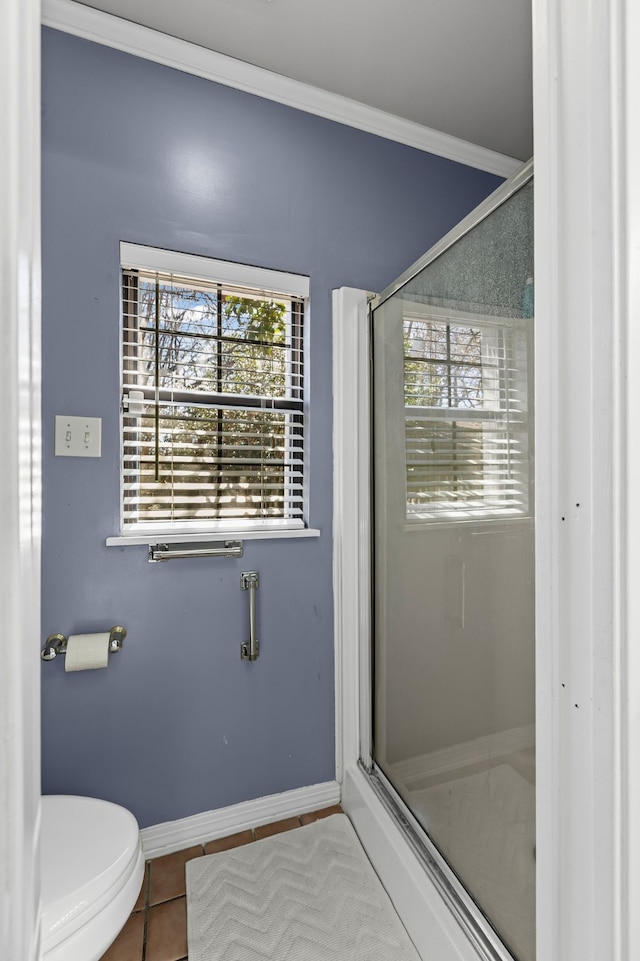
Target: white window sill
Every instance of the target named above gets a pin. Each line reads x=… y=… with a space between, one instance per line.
x=490 y=521
x=135 y=540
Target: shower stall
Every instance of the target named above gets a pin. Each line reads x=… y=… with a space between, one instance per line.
x=446 y=735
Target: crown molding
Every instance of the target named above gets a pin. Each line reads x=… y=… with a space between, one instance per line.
x=99 y=27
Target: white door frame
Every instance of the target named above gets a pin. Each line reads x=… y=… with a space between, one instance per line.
x=587 y=188
x=588 y=614
x=628 y=133
x=20 y=479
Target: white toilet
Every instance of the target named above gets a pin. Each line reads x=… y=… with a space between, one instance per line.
x=92 y=870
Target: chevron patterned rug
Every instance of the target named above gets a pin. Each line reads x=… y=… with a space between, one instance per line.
x=306 y=895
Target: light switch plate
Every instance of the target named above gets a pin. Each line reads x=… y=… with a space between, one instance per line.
x=78 y=436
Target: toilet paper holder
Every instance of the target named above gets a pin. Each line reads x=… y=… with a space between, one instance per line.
x=57 y=643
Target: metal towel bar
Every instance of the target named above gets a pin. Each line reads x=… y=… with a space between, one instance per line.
x=249 y=650
x=167 y=552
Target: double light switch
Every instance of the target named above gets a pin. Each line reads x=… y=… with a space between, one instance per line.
x=78 y=436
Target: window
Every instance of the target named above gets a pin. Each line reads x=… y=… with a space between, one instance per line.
x=213 y=394
x=467 y=418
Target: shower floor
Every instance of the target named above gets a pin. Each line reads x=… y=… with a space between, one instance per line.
x=482 y=819
x=157 y=928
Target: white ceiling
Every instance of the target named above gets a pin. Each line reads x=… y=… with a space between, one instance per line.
x=462 y=67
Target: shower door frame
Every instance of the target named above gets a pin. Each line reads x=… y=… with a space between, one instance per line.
x=587 y=221
x=353 y=340
x=478 y=926
x=431 y=919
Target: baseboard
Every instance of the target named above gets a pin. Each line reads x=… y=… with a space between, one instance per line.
x=429 y=922
x=174 y=835
x=461 y=755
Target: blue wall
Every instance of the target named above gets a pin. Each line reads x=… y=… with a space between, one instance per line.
x=139 y=152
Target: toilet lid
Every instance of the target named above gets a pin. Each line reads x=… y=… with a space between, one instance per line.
x=87 y=849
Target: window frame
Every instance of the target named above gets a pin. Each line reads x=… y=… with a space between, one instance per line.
x=295 y=286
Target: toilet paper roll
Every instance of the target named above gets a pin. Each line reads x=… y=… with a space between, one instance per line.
x=86 y=652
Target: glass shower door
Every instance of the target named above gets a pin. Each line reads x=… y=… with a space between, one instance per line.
x=453 y=657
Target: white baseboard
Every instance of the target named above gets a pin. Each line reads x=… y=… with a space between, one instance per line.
x=172 y=836
x=461 y=755
x=429 y=922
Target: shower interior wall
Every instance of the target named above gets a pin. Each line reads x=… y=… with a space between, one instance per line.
x=136 y=151
x=470 y=620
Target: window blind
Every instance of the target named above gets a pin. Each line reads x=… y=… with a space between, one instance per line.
x=212 y=410
x=466 y=418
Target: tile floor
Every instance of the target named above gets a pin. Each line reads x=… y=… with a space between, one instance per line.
x=157 y=928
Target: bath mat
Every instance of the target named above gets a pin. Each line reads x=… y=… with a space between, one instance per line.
x=309 y=894
x=484 y=824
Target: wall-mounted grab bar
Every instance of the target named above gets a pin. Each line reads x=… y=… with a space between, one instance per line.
x=57 y=643
x=249 y=650
x=167 y=552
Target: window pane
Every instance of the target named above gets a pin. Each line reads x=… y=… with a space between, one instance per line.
x=255 y=319
x=252 y=369
x=212 y=463
x=208 y=341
